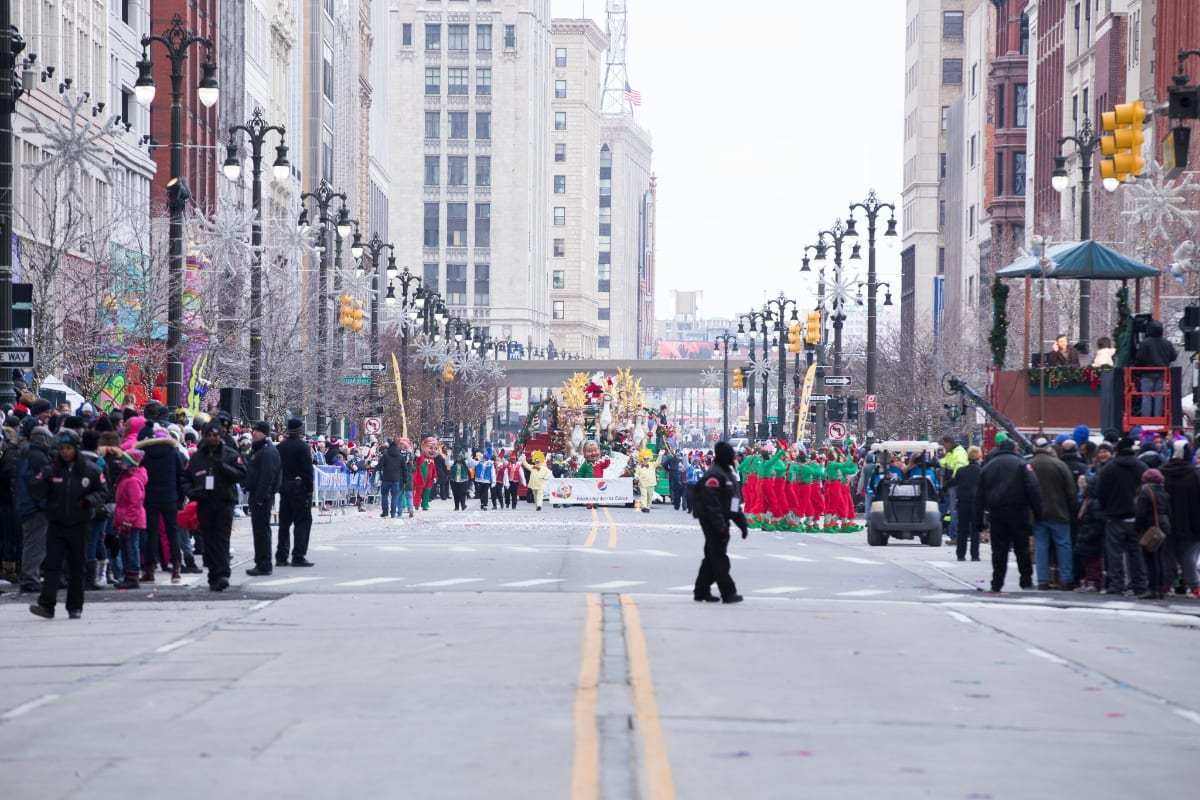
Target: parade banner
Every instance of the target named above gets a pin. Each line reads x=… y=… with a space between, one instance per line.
x=603 y=491
x=806 y=393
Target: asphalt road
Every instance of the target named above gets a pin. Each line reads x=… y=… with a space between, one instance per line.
x=514 y=654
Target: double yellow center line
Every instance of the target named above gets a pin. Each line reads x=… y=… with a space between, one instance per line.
x=612 y=530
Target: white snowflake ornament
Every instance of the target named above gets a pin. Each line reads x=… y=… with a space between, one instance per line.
x=433 y=355
x=760 y=368
x=1160 y=203
x=712 y=378
x=225 y=238
x=73 y=146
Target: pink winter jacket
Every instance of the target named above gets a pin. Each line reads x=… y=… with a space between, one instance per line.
x=131 y=493
x=131 y=434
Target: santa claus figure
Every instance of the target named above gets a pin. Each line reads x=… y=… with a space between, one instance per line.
x=425 y=473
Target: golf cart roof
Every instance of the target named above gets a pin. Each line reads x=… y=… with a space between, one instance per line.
x=903 y=446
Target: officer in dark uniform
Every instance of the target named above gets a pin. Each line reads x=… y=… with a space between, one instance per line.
x=718 y=501
x=295 y=496
x=213 y=474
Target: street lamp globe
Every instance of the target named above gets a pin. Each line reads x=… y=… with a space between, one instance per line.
x=232 y=166
x=343 y=223
x=281 y=169
x=1059 y=179
x=1111 y=184
x=143 y=89
x=390 y=298
x=891 y=239
x=356 y=247
x=208 y=91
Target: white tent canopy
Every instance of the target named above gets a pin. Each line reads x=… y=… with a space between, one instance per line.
x=54 y=384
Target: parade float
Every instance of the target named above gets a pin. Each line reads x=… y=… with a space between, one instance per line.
x=595 y=426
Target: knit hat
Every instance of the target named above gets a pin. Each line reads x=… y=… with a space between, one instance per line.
x=262 y=426
x=295 y=424
x=1125 y=445
x=1152 y=476
x=1181 y=448
x=1081 y=434
x=1001 y=437
x=39 y=406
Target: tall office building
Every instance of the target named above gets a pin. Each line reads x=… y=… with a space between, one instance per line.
x=470 y=157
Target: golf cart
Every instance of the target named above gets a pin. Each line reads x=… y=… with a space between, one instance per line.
x=904 y=508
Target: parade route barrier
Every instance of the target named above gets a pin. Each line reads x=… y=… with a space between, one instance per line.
x=335 y=489
x=599 y=491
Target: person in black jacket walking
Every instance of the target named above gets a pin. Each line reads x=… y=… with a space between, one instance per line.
x=1009 y=493
x=262 y=482
x=213 y=474
x=718 y=502
x=165 y=464
x=72 y=489
x=1116 y=487
x=1183 y=491
x=395 y=470
x=966 y=483
x=295 y=496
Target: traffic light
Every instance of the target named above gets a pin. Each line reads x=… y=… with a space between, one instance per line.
x=812 y=328
x=448 y=373
x=794 y=345
x=1122 y=148
x=739 y=378
x=835 y=409
x=1190 y=325
x=346 y=311
x=852 y=409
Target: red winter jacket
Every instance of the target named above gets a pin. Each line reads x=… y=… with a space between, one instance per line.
x=131 y=495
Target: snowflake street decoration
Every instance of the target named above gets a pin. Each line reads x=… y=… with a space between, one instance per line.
x=290 y=240
x=1184 y=260
x=76 y=145
x=838 y=291
x=225 y=239
x=1159 y=203
x=433 y=355
x=711 y=378
x=760 y=368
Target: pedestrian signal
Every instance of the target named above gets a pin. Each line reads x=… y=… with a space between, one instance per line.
x=1122 y=147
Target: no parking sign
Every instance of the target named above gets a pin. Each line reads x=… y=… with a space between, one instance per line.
x=837 y=430
x=372 y=426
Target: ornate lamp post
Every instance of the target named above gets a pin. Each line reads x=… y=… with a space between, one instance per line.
x=375 y=248
x=177 y=40
x=412 y=300
x=729 y=340
x=871 y=208
x=324 y=196
x=755 y=318
x=775 y=309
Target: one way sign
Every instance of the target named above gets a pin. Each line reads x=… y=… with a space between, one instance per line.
x=837 y=380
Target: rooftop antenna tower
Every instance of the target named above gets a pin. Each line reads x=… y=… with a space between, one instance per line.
x=616 y=78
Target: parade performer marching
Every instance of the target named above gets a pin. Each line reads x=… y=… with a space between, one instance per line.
x=647 y=477
x=842 y=470
x=748 y=473
x=593 y=466
x=539 y=473
x=425 y=473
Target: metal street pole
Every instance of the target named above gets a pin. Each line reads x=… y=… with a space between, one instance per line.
x=11 y=45
x=256 y=130
x=177 y=40
x=1086 y=143
x=324 y=196
x=725 y=341
x=871 y=207
x=776 y=309
x=375 y=248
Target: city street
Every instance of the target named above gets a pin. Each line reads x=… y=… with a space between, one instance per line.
x=559 y=654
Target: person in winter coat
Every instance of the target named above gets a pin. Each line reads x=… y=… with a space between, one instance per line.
x=442 y=460
x=1182 y=483
x=1008 y=492
x=213 y=474
x=718 y=502
x=165 y=465
x=1089 y=544
x=33 y=456
x=511 y=478
x=966 y=483
x=1151 y=509
x=129 y=514
x=395 y=469
x=460 y=480
x=10 y=525
x=1153 y=351
x=263 y=473
x=485 y=479
x=72 y=489
x=1059 y=491
x=295 y=496
x=1116 y=489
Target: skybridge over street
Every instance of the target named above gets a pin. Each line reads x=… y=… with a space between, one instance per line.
x=654 y=374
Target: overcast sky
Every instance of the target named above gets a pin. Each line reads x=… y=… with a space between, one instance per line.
x=768 y=120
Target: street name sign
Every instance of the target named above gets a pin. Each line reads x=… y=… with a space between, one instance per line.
x=819 y=398
x=837 y=380
x=16 y=357
x=356 y=380
x=373 y=367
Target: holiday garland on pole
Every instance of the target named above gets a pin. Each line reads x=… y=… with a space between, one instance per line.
x=998 y=339
x=1124 y=328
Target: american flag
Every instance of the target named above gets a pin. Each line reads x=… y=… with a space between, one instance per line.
x=632 y=95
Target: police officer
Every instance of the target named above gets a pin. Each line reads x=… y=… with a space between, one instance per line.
x=718 y=501
x=72 y=489
x=295 y=496
x=262 y=482
x=213 y=473
x=1009 y=493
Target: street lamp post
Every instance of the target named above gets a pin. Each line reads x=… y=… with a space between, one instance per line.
x=256 y=131
x=375 y=248
x=411 y=305
x=838 y=236
x=754 y=318
x=324 y=196
x=871 y=208
x=11 y=45
x=775 y=309
x=457 y=330
x=177 y=40
x=1086 y=144
x=819 y=247
x=729 y=340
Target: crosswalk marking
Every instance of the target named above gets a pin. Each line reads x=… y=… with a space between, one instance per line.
x=393 y=548
x=737 y=557
x=781 y=590
x=370 y=581
x=854 y=560
x=593 y=551
x=520 y=548
x=940 y=596
x=534 y=582
x=287 y=581
x=786 y=557
x=449 y=582
x=324 y=548
x=615 y=584
x=942 y=563
x=461 y=549
x=863 y=593
x=659 y=553
x=685 y=588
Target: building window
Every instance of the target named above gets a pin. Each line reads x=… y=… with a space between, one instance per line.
x=456 y=80
x=430 y=280
x=431 y=224
x=952 y=26
x=483 y=224
x=1023 y=46
x=1021 y=105
x=510 y=37
x=1019 y=174
x=560 y=151
x=433 y=80
x=560 y=120
x=560 y=248
x=483 y=170
x=458 y=171
x=952 y=71
x=560 y=56
x=456 y=284
x=974 y=79
x=941 y=214
x=458 y=124
x=971 y=151
x=560 y=89
x=606 y=229
x=602 y=342
x=483 y=37
x=560 y=184
x=1075 y=111
x=458 y=38
x=941 y=268
x=1000 y=185
x=433 y=170
x=433 y=125
x=971 y=222
x=999 y=120
x=406 y=34
x=945 y=118
x=327 y=73
x=483 y=285
x=941 y=166
x=560 y=309
x=483 y=125
x=456 y=224
x=603 y=314
x=604 y=260
x=559 y=279
x=560 y=215
x=483 y=80
x=433 y=37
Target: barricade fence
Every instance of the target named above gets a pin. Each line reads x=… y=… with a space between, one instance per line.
x=336 y=488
